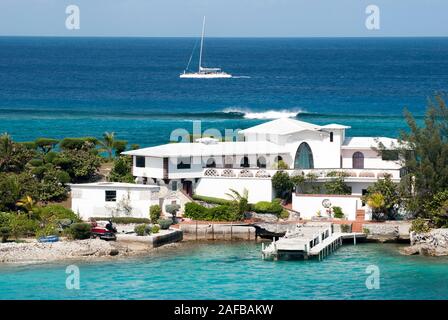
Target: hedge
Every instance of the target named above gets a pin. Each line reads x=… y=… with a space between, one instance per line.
x=211 y=200
x=273 y=207
x=123 y=220
x=220 y=213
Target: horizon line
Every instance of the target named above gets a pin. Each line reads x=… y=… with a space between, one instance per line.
x=226 y=37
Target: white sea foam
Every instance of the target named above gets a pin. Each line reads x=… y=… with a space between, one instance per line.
x=268 y=114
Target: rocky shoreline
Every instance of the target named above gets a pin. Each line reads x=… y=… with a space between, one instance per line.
x=32 y=252
x=433 y=243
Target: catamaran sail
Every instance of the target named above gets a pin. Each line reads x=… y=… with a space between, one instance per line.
x=204 y=73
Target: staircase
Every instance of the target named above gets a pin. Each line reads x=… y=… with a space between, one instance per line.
x=360 y=219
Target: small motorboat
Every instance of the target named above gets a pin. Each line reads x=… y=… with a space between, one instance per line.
x=48 y=239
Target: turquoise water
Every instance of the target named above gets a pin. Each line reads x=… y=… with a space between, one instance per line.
x=236 y=271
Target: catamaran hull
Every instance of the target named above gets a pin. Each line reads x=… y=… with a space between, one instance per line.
x=205 y=76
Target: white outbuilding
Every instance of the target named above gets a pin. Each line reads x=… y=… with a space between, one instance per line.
x=113 y=199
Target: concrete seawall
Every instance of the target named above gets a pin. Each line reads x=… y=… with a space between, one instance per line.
x=216 y=231
x=152 y=241
x=160 y=240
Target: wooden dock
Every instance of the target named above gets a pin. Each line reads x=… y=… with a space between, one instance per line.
x=308 y=242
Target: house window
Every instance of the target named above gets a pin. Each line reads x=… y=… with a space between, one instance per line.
x=140 y=162
x=358 y=160
x=111 y=195
x=245 y=162
x=389 y=155
x=173 y=185
x=331 y=136
x=261 y=162
x=304 y=157
x=184 y=163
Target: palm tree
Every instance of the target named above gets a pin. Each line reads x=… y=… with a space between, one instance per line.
x=377 y=203
x=108 y=143
x=236 y=196
x=241 y=200
x=27 y=203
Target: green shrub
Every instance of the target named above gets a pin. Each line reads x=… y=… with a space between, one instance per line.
x=281 y=165
x=4 y=233
x=420 y=225
x=22 y=225
x=154 y=213
x=76 y=143
x=284 y=214
x=155 y=229
x=55 y=212
x=273 y=207
x=229 y=212
x=172 y=208
x=195 y=211
x=142 y=230
x=337 y=211
x=345 y=228
x=211 y=200
x=123 y=220
x=282 y=184
x=164 y=223
x=80 y=231
x=225 y=213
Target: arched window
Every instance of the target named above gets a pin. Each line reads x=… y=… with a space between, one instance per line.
x=358 y=160
x=304 y=157
x=261 y=162
x=211 y=163
x=245 y=162
x=278 y=159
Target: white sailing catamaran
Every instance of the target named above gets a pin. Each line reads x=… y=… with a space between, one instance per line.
x=204 y=73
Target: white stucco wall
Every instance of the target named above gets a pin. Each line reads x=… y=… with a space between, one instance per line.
x=371 y=160
x=259 y=189
x=308 y=205
x=153 y=168
x=326 y=154
x=90 y=201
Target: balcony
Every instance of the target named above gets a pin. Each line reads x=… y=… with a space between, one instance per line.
x=353 y=175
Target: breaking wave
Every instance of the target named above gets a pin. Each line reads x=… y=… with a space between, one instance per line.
x=269 y=114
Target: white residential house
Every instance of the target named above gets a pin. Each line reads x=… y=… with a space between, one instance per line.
x=113 y=199
x=210 y=168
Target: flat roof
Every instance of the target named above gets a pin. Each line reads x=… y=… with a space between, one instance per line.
x=114 y=185
x=213 y=149
x=369 y=143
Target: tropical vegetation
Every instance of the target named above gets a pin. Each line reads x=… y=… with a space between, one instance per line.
x=35 y=174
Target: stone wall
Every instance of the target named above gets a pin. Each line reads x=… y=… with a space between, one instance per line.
x=216 y=231
x=389 y=231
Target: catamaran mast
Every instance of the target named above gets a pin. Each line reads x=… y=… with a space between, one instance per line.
x=202 y=43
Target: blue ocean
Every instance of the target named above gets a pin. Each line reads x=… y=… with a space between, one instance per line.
x=60 y=87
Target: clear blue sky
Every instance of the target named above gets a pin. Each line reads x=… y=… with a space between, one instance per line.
x=240 y=18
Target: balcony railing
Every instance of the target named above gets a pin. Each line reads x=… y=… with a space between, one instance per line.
x=320 y=174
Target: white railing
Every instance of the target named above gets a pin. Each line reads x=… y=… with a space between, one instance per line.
x=320 y=174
